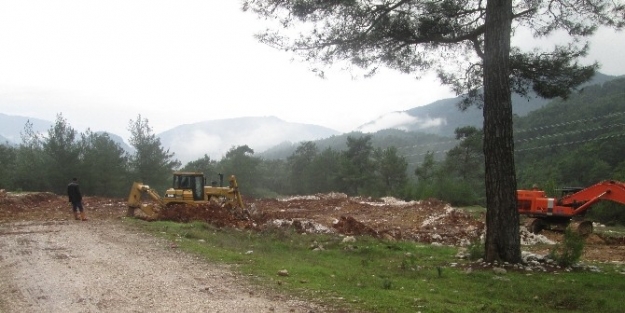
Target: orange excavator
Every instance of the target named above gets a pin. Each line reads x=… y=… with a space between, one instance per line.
x=559 y=213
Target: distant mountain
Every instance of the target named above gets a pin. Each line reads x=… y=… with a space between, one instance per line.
x=190 y=142
x=4 y=140
x=120 y=141
x=11 y=127
x=214 y=138
x=442 y=117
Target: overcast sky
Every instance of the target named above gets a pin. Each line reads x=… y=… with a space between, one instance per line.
x=101 y=63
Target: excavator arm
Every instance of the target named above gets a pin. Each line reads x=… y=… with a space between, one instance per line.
x=234 y=189
x=135 y=200
x=606 y=190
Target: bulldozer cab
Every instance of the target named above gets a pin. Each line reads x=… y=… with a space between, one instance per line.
x=190 y=181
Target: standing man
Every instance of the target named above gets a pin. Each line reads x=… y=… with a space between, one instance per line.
x=75 y=198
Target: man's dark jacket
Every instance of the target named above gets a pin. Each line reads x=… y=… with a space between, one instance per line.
x=73 y=192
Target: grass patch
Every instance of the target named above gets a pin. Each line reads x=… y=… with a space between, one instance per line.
x=611 y=231
x=372 y=275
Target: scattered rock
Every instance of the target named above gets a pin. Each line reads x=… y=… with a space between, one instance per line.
x=529 y=238
x=349 y=239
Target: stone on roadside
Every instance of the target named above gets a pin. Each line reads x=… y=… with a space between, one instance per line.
x=349 y=239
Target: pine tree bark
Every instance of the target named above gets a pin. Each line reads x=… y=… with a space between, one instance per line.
x=502 y=219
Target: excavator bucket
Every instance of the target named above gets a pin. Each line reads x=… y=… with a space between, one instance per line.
x=149 y=210
x=535 y=225
x=583 y=228
x=135 y=201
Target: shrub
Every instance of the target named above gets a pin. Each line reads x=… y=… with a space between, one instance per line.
x=570 y=250
x=476 y=250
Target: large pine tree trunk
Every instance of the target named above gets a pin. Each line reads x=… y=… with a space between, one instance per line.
x=502 y=218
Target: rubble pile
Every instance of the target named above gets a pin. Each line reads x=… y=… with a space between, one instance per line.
x=528 y=238
x=430 y=221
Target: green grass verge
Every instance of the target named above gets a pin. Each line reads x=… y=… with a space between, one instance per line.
x=371 y=275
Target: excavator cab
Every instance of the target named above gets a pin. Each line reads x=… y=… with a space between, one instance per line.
x=187 y=186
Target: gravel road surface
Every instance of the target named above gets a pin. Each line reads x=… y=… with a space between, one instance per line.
x=103 y=266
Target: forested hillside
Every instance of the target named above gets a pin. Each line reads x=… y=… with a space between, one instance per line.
x=446 y=110
x=576 y=142
x=411 y=145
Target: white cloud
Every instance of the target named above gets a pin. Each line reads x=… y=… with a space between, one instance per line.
x=401 y=120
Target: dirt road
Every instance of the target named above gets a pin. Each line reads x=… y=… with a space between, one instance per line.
x=101 y=266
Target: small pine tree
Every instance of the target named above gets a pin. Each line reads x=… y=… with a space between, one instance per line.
x=570 y=250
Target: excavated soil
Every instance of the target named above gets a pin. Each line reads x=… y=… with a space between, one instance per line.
x=108 y=268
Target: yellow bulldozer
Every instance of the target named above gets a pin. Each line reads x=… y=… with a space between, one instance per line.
x=188 y=188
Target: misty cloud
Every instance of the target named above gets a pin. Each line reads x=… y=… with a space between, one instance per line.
x=401 y=120
x=215 y=138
